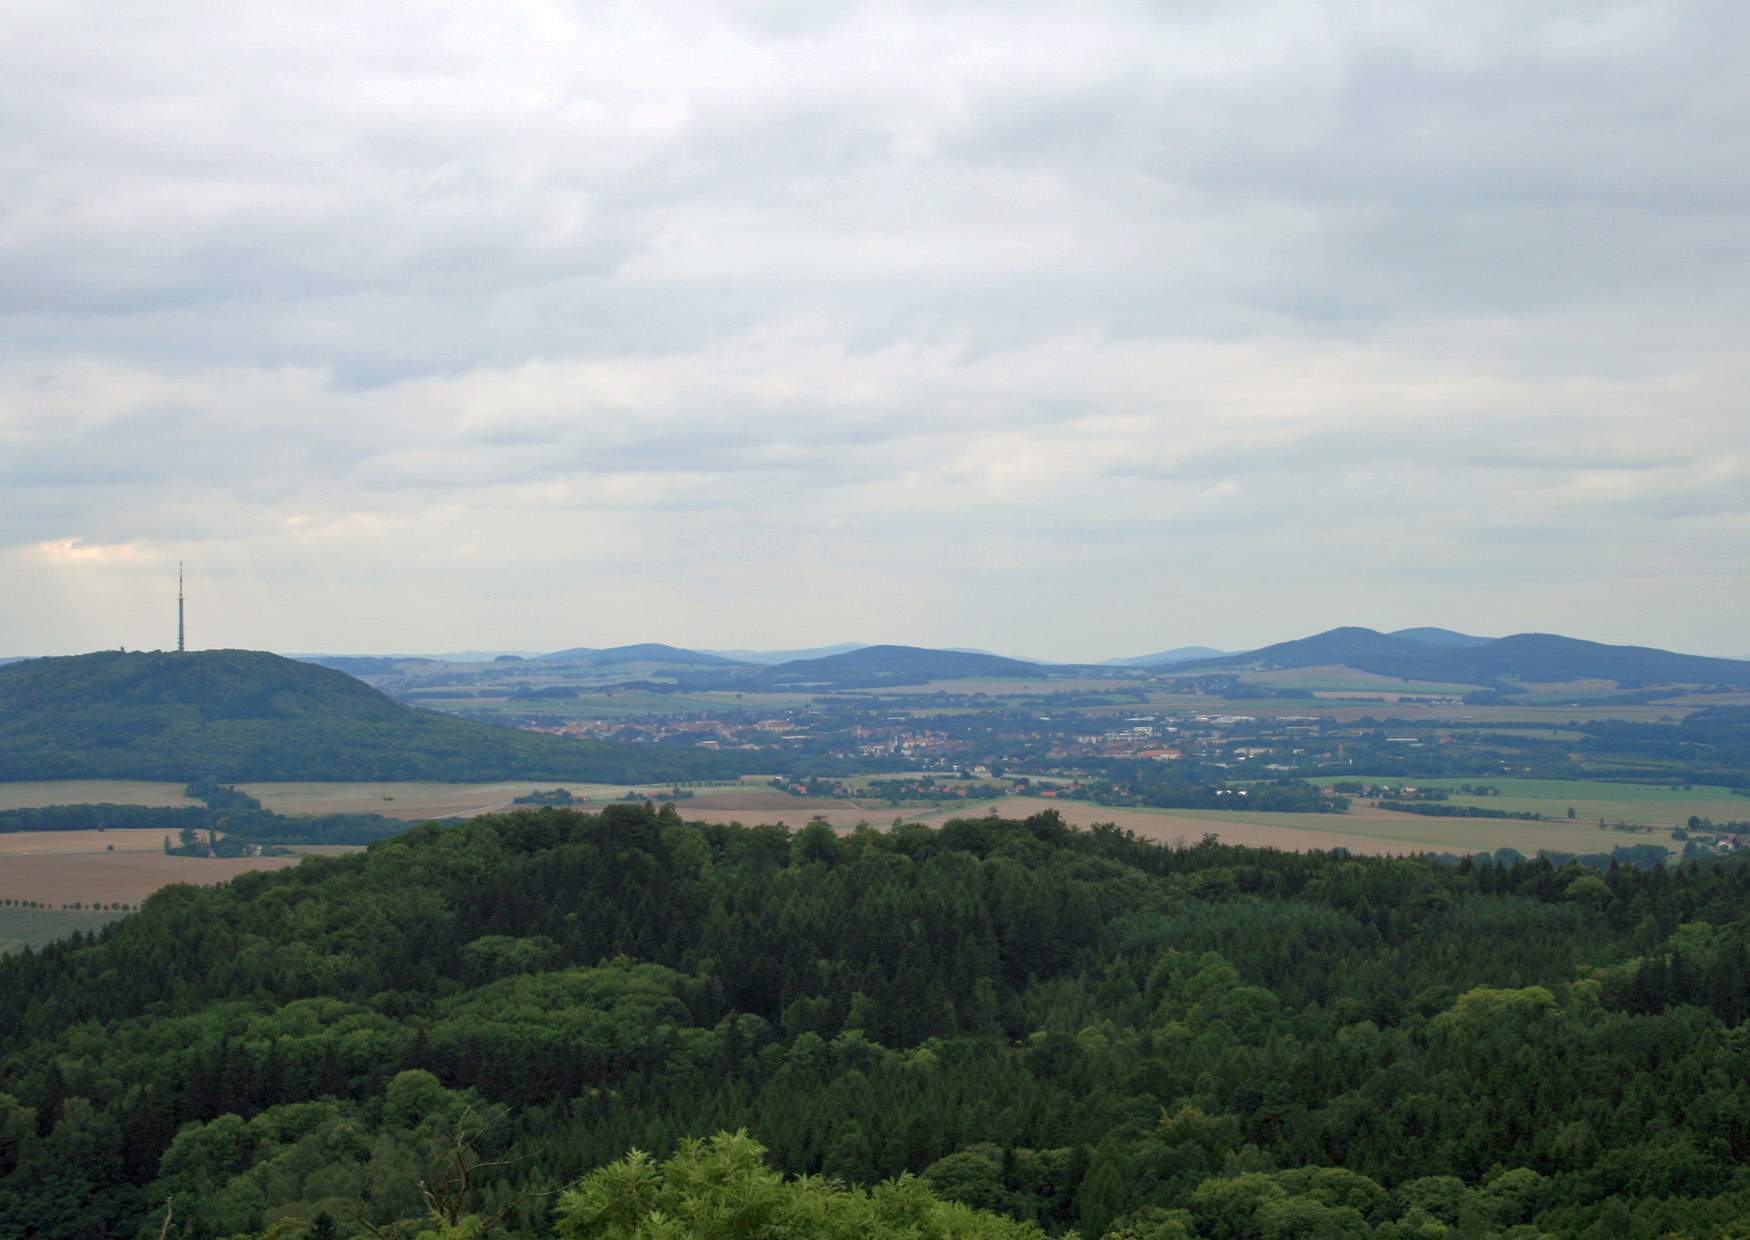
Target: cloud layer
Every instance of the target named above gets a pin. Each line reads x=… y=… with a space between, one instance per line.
x=1069 y=333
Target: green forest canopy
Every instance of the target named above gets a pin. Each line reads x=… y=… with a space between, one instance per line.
x=1061 y=1029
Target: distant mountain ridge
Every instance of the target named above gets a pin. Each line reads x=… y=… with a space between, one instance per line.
x=642 y=652
x=768 y=658
x=1178 y=654
x=1533 y=657
x=246 y=714
x=1440 y=637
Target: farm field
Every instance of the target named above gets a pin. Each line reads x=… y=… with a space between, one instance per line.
x=124 y=877
x=764 y=806
x=38 y=843
x=416 y=801
x=33 y=927
x=32 y=793
x=1337 y=678
x=1006 y=686
x=619 y=703
x=1360 y=831
x=1358 y=707
x=409 y=800
x=1648 y=804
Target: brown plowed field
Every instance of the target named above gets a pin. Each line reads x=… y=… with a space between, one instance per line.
x=109 y=877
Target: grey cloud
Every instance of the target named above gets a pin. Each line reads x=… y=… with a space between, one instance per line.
x=913 y=292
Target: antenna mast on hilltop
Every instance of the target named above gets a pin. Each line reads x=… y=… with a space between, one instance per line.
x=180 y=647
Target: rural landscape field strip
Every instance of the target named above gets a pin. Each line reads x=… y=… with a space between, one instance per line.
x=1644 y=803
x=1374 y=832
x=28 y=794
x=79 y=843
x=33 y=927
x=118 y=877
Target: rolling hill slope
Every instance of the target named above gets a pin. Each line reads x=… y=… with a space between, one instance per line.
x=1179 y=654
x=642 y=652
x=893 y=665
x=243 y=714
x=1440 y=637
x=1532 y=657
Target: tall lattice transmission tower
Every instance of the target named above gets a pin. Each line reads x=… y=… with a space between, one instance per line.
x=180 y=646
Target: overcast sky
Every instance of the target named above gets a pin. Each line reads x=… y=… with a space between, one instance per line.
x=1064 y=330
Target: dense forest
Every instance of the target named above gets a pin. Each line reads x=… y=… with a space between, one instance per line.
x=1048 y=1029
x=243 y=714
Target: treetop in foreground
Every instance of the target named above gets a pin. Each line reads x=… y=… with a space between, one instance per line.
x=1062 y=1030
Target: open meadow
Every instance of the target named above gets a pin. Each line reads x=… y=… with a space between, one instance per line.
x=29 y=794
x=33 y=927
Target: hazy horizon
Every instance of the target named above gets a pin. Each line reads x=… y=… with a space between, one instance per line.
x=480 y=654
x=1078 y=334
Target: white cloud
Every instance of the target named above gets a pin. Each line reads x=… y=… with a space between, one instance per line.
x=1074 y=332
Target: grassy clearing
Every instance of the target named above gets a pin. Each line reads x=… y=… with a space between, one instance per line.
x=33 y=927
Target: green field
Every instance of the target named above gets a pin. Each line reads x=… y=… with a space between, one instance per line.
x=28 y=794
x=32 y=927
x=1348 y=678
x=1657 y=805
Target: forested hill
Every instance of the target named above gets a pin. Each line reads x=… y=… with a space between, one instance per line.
x=244 y=714
x=1063 y=1029
x=1540 y=657
x=894 y=665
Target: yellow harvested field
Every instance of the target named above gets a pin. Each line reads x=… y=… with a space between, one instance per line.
x=30 y=794
x=417 y=801
x=1365 y=830
x=118 y=877
x=44 y=843
x=761 y=807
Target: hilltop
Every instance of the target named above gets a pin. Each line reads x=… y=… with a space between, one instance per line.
x=770 y=657
x=895 y=665
x=1454 y=657
x=245 y=714
x=1440 y=637
x=1179 y=654
x=641 y=652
